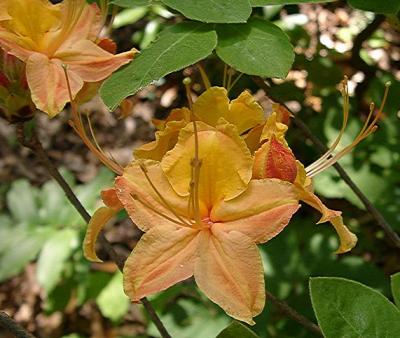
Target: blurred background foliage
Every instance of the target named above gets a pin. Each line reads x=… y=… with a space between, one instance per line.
x=55 y=292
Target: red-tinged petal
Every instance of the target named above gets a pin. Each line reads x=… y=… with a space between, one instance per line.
x=283 y=114
x=48 y=85
x=261 y=212
x=91 y=62
x=163 y=257
x=108 y=45
x=275 y=160
x=347 y=239
x=96 y=224
x=143 y=205
x=110 y=198
x=229 y=271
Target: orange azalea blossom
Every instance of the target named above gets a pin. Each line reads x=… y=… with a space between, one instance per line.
x=51 y=38
x=204 y=225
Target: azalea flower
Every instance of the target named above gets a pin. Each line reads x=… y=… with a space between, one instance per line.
x=204 y=225
x=52 y=39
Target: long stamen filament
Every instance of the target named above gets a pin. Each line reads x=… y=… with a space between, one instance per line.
x=160 y=196
x=369 y=127
x=147 y=205
x=204 y=76
x=77 y=124
x=234 y=82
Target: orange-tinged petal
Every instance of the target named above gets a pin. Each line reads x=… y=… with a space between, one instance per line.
x=261 y=212
x=48 y=85
x=96 y=224
x=212 y=105
x=283 y=114
x=244 y=112
x=91 y=62
x=140 y=200
x=252 y=138
x=164 y=256
x=347 y=239
x=165 y=141
x=225 y=162
x=110 y=198
x=274 y=160
x=229 y=271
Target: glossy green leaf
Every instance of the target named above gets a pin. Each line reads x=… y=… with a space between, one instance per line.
x=54 y=254
x=259 y=3
x=176 y=47
x=256 y=48
x=131 y=3
x=395 y=283
x=385 y=7
x=345 y=308
x=112 y=301
x=235 y=330
x=217 y=11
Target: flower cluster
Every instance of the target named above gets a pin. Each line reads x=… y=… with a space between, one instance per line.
x=219 y=179
x=54 y=39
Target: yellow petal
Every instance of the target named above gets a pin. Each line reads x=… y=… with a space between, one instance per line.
x=261 y=212
x=96 y=224
x=165 y=141
x=212 y=105
x=225 y=162
x=252 y=138
x=229 y=271
x=3 y=11
x=245 y=113
x=144 y=206
x=347 y=239
x=163 y=257
x=48 y=85
x=91 y=62
x=274 y=128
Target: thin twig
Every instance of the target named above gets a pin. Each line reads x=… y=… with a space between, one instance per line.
x=34 y=144
x=293 y=314
x=13 y=327
x=321 y=148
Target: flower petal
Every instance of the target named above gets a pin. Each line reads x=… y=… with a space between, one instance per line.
x=163 y=257
x=143 y=204
x=274 y=128
x=348 y=240
x=212 y=105
x=225 y=162
x=165 y=141
x=229 y=271
x=261 y=212
x=91 y=62
x=48 y=85
x=96 y=224
x=244 y=112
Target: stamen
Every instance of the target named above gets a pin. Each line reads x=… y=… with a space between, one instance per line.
x=328 y=159
x=204 y=76
x=234 y=82
x=147 y=205
x=163 y=200
x=224 y=76
x=77 y=124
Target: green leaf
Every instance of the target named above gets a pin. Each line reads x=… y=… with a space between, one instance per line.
x=256 y=48
x=259 y=3
x=54 y=254
x=345 y=308
x=385 y=7
x=235 y=330
x=131 y=3
x=395 y=282
x=176 y=47
x=217 y=11
x=129 y=16
x=112 y=301
x=21 y=201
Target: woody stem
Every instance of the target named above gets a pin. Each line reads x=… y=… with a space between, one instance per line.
x=13 y=327
x=33 y=143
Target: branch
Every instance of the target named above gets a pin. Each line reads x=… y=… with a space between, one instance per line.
x=13 y=327
x=293 y=314
x=34 y=144
x=390 y=233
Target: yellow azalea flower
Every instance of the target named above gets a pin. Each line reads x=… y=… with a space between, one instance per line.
x=243 y=112
x=204 y=225
x=49 y=38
